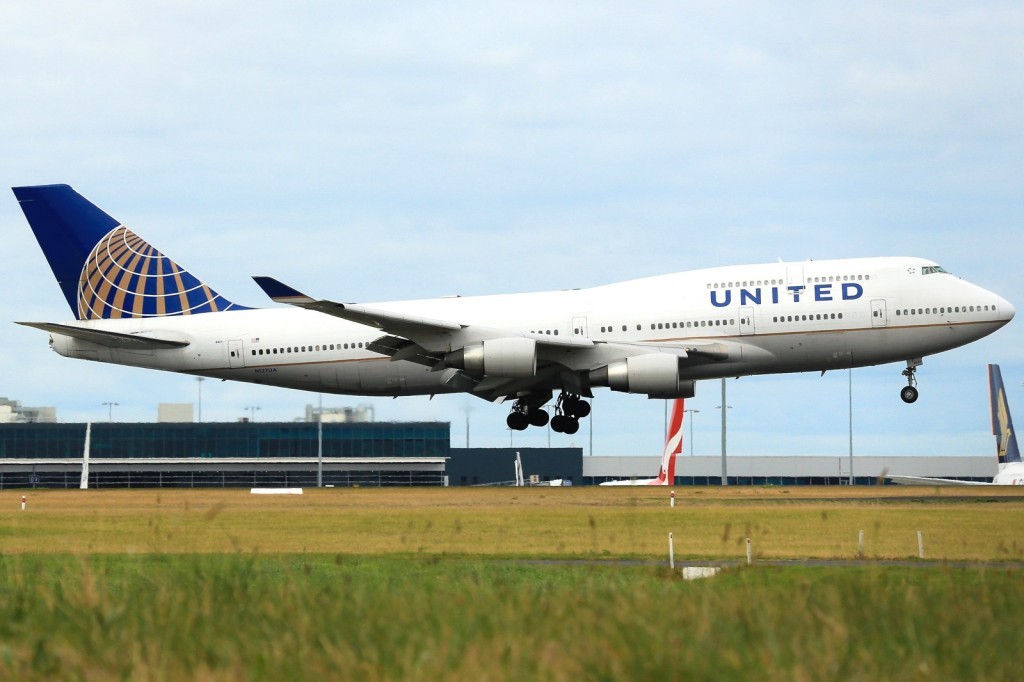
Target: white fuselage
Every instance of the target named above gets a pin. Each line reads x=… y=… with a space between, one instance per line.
x=1011 y=474
x=781 y=317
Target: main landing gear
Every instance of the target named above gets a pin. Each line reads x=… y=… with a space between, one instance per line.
x=569 y=409
x=909 y=392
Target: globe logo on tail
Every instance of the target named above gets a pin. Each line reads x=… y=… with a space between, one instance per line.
x=125 y=276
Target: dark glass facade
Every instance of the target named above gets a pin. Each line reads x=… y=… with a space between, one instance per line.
x=231 y=440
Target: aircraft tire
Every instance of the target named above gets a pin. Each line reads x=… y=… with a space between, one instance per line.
x=517 y=421
x=908 y=394
x=571 y=426
x=581 y=409
x=538 y=417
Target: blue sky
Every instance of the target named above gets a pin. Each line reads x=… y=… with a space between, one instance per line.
x=379 y=151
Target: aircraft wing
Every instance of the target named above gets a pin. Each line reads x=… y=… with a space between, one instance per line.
x=426 y=341
x=926 y=481
x=395 y=323
x=108 y=338
x=422 y=331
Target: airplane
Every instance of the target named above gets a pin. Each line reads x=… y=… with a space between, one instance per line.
x=673 y=447
x=1010 y=466
x=655 y=336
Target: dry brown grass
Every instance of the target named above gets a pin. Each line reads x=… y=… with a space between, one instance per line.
x=804 y=522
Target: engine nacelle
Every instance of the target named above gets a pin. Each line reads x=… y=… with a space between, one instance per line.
x=656 y=374
x=513 y=357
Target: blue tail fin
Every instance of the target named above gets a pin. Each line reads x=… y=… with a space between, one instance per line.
x=103 y=268
x=1002 y=424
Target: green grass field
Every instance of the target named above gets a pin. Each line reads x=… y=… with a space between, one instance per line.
x=507 y=584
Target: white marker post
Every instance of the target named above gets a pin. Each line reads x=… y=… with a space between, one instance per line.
x=860 y=545
x=671 y=553
x=22 y=503
x=920 y=545
x=748 y=552
x=672 y=499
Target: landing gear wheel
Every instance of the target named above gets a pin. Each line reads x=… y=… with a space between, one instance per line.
x=580 y=409
x=571 y=425
x=572 y=406
x=517 y=421
x=559 y=422
x=538 y=417
x=909 y=392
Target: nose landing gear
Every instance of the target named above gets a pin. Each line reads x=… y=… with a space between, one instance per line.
x=909 y=393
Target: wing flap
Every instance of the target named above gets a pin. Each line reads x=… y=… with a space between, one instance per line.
x=398 y=348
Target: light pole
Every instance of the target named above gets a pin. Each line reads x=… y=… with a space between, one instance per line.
x=199 y=383
x=691 y=412
x=320 y=442
x=850 y=387
x=723 y=407
x=252 y=412
x=110 y=410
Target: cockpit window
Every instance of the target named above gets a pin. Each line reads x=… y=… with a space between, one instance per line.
x=932 y=269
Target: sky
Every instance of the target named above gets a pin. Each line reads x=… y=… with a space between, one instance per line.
x=380 y=151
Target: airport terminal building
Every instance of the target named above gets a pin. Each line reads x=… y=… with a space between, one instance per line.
x=249 y=454
x=265 y=454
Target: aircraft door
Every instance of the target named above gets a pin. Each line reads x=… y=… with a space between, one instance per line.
x=236 y=355
x=794 y=277
x=878 y=316
x=579 y=326
x=746 y=320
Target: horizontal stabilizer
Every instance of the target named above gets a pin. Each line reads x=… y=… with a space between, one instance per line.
x=106 y=338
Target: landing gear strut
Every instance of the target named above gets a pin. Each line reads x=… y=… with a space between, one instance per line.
x=909 y=392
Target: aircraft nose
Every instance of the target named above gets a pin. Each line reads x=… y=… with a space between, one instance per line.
x=1006 y=310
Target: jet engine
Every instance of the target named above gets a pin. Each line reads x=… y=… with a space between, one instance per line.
x=513 y=357
x=656 y=374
